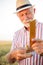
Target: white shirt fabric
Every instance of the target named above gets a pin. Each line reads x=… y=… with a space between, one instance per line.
x=21 y=38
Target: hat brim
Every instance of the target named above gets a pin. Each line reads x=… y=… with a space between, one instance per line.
x=22 y=9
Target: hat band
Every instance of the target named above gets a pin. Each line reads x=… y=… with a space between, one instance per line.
x=24 y=6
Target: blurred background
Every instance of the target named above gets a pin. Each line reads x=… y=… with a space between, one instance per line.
x=9 y=23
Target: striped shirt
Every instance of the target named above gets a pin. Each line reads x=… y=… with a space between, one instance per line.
x=21 y=38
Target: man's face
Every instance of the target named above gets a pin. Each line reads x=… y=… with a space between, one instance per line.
x=26 y=16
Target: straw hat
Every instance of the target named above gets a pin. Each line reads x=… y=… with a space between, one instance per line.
x=22 y=4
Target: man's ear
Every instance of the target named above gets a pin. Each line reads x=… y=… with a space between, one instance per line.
x=34 y=10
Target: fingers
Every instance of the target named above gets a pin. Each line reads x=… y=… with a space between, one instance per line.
x=22 y=51
x=37 y=48
x=25 y=55
x=35 y=45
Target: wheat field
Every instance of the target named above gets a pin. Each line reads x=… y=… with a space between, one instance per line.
x=4 y=49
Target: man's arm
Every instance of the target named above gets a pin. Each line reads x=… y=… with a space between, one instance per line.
x=10 y=57
x=17 y=55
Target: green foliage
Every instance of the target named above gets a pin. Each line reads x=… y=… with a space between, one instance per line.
x=4 y=49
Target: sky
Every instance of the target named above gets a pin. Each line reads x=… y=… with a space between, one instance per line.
x=9 y=22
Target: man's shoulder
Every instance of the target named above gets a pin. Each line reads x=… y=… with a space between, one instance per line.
x=38 y=23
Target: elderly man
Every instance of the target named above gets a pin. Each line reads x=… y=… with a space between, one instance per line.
x=23 y=41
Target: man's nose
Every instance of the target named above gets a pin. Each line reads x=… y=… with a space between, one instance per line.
x=25 y=16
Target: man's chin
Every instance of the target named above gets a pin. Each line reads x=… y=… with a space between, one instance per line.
x=27 y=26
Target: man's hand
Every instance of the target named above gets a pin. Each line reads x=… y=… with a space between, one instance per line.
x=20 y=54
x=38 y=47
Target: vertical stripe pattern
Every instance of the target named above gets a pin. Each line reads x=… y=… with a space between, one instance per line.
x=22 y=38
x=39 y=35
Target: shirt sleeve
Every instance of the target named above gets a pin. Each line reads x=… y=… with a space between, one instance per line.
x=14 y=42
